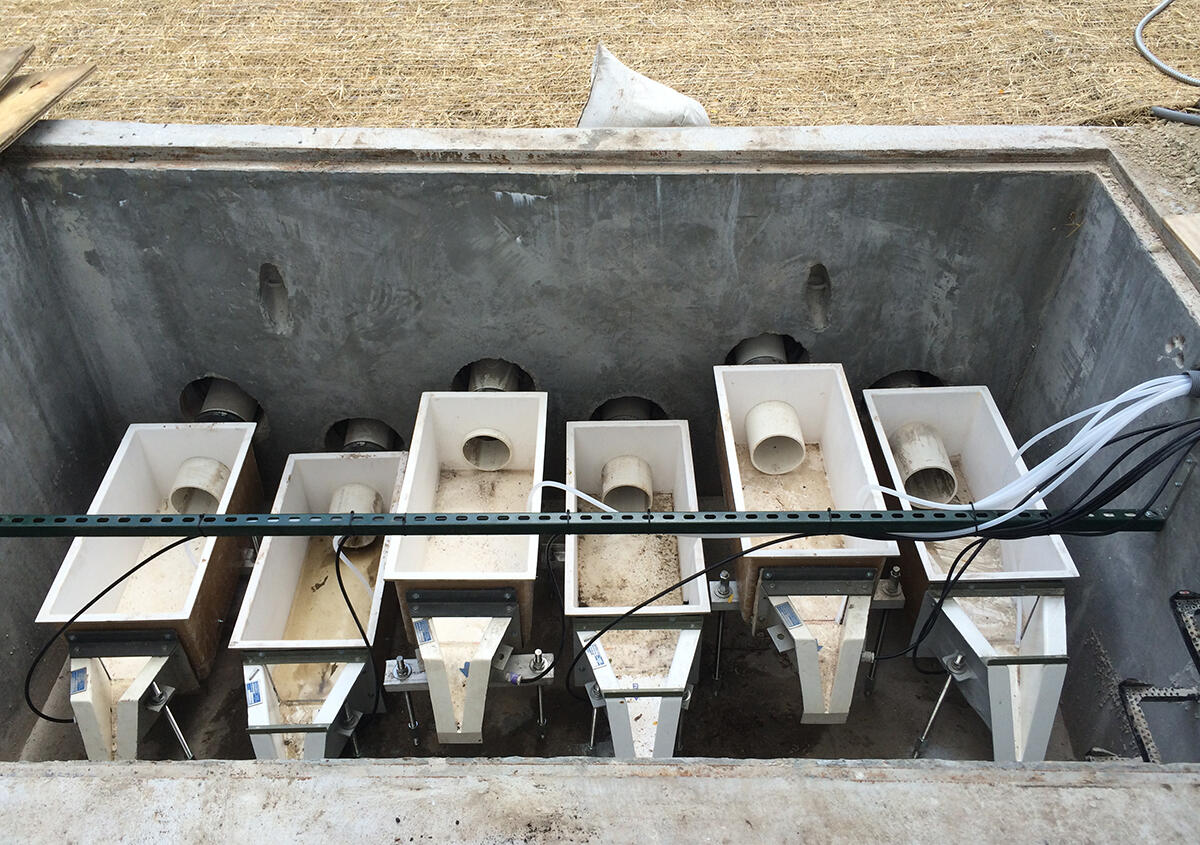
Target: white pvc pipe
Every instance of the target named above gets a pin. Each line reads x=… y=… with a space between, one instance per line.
x=487 y=449
x=359 y=499
x=198 y=486
x=921 y=459
x=1069 y=458
x=774 y=438
x=626 y=483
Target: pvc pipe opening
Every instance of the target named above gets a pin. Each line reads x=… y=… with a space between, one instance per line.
x=198 y=485
x=924 y=465
x=360 y=499
x=774 y=438
x=487 y=449
x=626 y=484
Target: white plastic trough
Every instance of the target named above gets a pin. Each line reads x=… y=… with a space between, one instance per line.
x=984 y=458
x=606 y=575
x=471 y=452
x=1018 y=701
x=293 y=604
x=186 y=590
x=825 y=632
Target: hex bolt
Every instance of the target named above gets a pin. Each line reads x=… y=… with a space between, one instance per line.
x=538 y=663
x=723 y=590
x=402 y=668
x=891 y=584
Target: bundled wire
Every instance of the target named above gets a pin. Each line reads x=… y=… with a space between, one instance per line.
x=1104 y=424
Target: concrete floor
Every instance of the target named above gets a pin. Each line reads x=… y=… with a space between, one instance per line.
x=720 y=722
x=574 y=800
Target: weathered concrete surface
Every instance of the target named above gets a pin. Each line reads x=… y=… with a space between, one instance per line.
x=573 y=800
x=606 y=263
x=841 y=145
x=53 y=435
x=1112 y=322
x=599 y=284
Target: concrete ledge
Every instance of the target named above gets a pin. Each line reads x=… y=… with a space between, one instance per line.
x=584 y=800
x=748 y=146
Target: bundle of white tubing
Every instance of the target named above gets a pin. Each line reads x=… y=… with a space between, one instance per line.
x=1107 y=420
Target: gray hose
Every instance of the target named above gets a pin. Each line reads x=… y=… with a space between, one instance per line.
x=1178 y=116
x=1153 y=59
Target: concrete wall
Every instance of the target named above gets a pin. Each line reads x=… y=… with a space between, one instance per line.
x=598 y=284
x=1111 y=324
x=54 y=436
x=604 y=266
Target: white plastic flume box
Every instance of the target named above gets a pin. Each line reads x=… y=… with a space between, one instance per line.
x=635 y=465
x=164 y=468
x=293 y=603
x=981 y=457
x=201 y=468
x=950 y=445
x=832 y=469
x=790 y=440
x=472 y=452
x=607 y=574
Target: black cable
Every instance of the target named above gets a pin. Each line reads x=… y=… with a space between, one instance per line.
x=562 y=639
x=1183 y=444
x=337 y=569
x=677 y=585
x=63 y=629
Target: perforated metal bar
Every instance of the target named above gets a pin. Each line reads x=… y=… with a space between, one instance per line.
x=863 y=523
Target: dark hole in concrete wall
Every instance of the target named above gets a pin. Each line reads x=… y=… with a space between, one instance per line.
x=273 y=299
x=492 y=374
x=629 y=408
x=362 y=434
x=818 y=298
x=767 y=348
x=218 y=400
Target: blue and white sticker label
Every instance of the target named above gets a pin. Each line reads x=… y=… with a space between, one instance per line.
x=596 y=655
x=78 y=680
x=789 y=617
x=253 y=694
x=424 y=635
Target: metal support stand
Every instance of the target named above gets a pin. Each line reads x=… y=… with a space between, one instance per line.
x=159 y=699
x=955 y=664
x=1185 y=607
x=723 y=598
x=413 y=725
x=888 y=597
x=869 y=683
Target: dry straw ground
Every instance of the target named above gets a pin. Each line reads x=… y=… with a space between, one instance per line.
x=513 y=63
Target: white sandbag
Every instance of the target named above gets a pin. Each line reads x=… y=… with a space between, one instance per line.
x=624 y=97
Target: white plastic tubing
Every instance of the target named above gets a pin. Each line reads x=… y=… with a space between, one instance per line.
x=1105 y=421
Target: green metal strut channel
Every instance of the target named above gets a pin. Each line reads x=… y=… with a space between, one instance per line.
x=864 y=523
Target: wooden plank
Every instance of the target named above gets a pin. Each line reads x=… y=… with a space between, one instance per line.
x=12 y=58
x=1187 y=228
x=26 y=98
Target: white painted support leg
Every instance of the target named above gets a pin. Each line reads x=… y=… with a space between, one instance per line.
x=457 y=652
x=1024 y=698
x=262 y=708
x=1018 y=701
x=129 y=708
x=827 y=649
x=106 y=698
x=91 y=702
x=643 y=725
